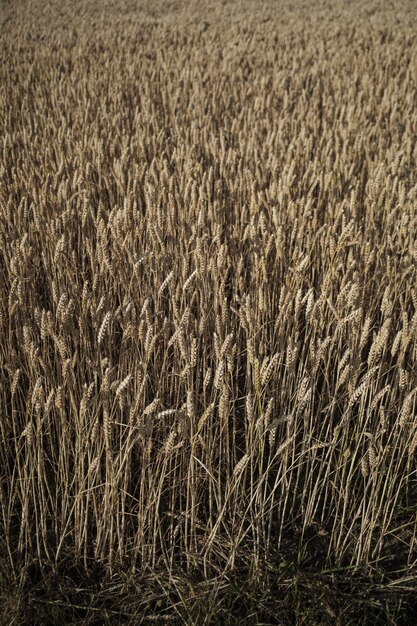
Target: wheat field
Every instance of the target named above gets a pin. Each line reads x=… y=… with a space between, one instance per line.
x=208 y=312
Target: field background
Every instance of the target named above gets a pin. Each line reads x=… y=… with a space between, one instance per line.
x=208 y=312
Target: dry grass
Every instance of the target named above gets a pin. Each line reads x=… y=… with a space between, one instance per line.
x=208 y=312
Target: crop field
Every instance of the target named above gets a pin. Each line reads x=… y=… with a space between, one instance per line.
x=208 y=312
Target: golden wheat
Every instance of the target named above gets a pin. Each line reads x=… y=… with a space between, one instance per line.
x=208 y=322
